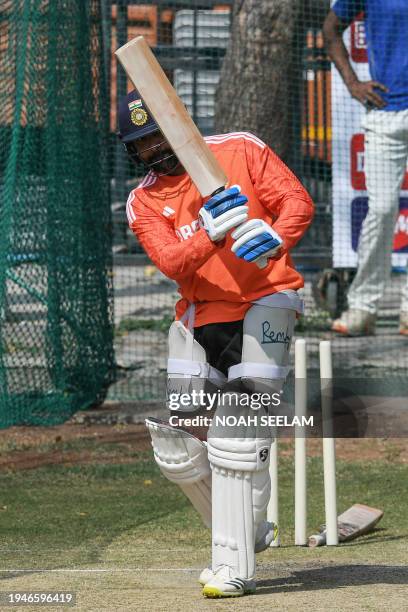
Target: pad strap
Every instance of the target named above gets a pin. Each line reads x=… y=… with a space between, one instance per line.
x=288 y=299
x=189 y=318
x=257 y=370
x=195 y=368
x=250 y=455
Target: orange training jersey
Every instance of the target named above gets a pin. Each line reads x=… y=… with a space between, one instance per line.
x=163 y=213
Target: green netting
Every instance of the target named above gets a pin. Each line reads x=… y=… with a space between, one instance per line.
x=56 y=352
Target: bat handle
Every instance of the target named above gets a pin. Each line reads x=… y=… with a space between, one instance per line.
x=262 y=262
x=218 y=190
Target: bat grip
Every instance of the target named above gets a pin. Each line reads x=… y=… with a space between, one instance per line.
x=262 y=262
x=217 y=191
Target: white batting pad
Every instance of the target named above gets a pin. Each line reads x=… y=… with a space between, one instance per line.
x=187 y=367
x=241 y=489
x=268 y=332
x=183 y=459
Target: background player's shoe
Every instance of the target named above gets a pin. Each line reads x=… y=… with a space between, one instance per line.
x=225 y=583
x=266 y=533
x=355 y=322
x=403 y=323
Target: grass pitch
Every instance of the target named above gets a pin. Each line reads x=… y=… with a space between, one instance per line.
x=124 y=538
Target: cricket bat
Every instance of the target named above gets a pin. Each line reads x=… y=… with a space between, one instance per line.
x=173 y=119
x=354 y=522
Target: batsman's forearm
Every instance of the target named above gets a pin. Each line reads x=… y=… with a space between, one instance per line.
x=177 y=260
x=297 y=211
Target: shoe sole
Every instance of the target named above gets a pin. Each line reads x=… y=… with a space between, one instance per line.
x=214 y=593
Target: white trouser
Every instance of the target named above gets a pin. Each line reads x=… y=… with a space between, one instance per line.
x=386 y=154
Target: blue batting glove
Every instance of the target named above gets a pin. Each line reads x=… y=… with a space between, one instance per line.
x=223 y=211
x=255 y=240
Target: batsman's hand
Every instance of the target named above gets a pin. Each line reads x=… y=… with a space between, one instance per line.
x=222 y=212
x=255 y=241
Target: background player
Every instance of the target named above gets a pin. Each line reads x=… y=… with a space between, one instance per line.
x=386 y=146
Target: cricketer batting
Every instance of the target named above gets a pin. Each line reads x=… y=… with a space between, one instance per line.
x=218 y=340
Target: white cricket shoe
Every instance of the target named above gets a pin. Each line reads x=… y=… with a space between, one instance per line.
x=355 y=322
x=225 y=583
x=205 y=576
x=266 y=533
x=403 y=323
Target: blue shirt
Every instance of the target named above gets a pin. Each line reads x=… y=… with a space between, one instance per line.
x=386 y=25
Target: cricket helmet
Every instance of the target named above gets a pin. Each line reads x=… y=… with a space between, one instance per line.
x=135 y=120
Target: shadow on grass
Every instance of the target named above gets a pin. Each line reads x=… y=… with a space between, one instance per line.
x=375 y=538
x=334 y=577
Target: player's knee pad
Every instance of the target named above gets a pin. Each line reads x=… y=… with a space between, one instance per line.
x=188 y=370
x=240 y=495
x=183 y=459
x=267 y=335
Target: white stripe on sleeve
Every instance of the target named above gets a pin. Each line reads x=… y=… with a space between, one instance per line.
x=131 y=215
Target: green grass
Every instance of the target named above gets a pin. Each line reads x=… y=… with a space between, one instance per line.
x=65 y=516
x=93 y=445
x=131 y=324
x=123 y=538
x=71 y=516
x=318 y=320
